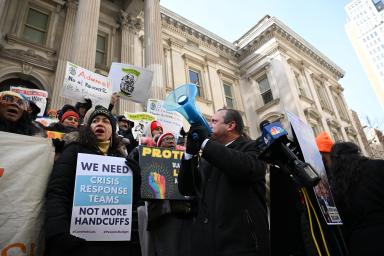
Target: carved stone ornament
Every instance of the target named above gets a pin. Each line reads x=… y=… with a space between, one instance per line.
x=127 y=21
x=26 y=68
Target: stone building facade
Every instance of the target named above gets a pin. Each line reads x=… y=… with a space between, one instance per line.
x=268 y=70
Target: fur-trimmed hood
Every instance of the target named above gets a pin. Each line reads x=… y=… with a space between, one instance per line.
x=73 y=137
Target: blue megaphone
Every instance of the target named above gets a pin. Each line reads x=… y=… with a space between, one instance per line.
x=182 y=100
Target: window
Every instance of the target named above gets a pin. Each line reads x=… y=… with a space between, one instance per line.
x=323 y=97
x=299 y=84
x=101 y=49
x=265 y=90
x=194 y=78
x=341 y=107
x=36 y=26
x=229 y=96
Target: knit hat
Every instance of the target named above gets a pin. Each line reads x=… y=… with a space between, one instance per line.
x=324 y=142
x=68 y=114
x=100 y=110
x=65 y=108
x=154 y=125
x=162 y=136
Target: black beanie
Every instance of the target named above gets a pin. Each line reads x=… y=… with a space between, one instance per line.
x=100 y=110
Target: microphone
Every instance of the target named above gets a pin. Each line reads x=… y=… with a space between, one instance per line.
x=274 y=149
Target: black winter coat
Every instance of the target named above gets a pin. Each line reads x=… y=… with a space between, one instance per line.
x=59 y=209
x=231 y=216
x=364 y=219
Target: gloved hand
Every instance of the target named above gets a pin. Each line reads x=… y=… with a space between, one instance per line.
x=58 y=144
x=196 y=136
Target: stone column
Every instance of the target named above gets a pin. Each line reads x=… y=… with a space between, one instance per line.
x=64 y=53
x=84 y=42
x=153 y=46
x=130 y=27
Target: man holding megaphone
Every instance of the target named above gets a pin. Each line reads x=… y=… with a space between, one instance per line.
x=228 y=182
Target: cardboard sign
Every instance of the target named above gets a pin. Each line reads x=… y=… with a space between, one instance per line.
x=171 y=121
x=80 y=84
x=307 y=142
x=39 y=97
x=25 y=166
x=133 y=83
x=140 y=123
x=102 y=202
x=159 y=171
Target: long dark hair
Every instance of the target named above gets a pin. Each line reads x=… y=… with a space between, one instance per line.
x=88 y=139
x=346 y=168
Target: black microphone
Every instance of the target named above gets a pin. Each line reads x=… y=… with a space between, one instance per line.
x=274 y=149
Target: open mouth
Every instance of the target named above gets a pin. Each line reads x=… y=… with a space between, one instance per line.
x=99 y=131
x=12 y=111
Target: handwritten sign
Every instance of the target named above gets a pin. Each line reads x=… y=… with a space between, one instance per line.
x=80 y=84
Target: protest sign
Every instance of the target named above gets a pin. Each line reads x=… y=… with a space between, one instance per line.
x=171 y=121
x=25 y=165
x=133 y=83
x=306 y=139
x=140 y=122
x=80 y=84
x=102 y=202
x=46 y=121
x=39 y=97
x=159 y=171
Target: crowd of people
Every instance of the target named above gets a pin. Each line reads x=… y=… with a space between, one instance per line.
x=221 y=175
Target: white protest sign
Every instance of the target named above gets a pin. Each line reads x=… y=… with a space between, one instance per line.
x=311 y=154
x=80 y=84
x=133 y=83
x=170 y=121
x=102 y=202
x=39 y=97
x=141 y=121
x=25 y=166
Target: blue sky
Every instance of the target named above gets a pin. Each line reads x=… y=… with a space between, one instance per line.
x=320 y=22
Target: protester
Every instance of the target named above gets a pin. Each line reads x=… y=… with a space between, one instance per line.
x=97 y=136
x=125 y=130
x=69 y=120
x=83 y=107
x=169 y=220
x=357 y=187
x=156 y=129
x=229 y=183
x=324 y=144
x=14 y=117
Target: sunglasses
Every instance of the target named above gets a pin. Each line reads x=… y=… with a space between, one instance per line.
x=10 y=99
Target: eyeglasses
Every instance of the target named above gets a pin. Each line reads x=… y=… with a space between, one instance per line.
x=10 y=99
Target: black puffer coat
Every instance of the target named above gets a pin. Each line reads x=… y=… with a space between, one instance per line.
x=229 y=185
x=59 y=208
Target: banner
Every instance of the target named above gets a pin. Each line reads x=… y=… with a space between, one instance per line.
x=133 y=83
x=307 y=142
x=80 y=84
x=171 y=121
x=102 y=202
x=25 y=165
x=159 y=170
x=39 y=97
x=140 y=123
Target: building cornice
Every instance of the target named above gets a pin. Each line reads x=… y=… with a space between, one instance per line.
x=195 y=33
x=28 y=57
x=272 y=27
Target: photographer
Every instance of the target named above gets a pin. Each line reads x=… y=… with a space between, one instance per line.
x=229 y=184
